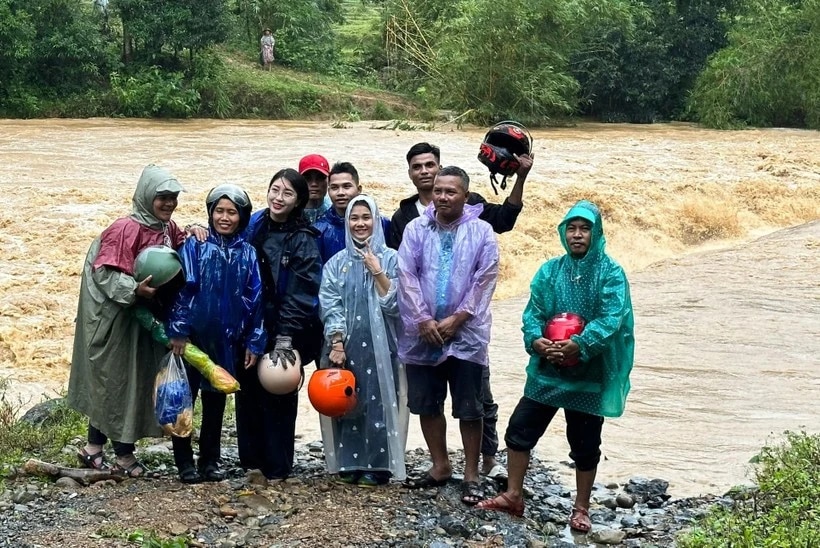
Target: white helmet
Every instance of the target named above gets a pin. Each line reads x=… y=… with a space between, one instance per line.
x=277 y=379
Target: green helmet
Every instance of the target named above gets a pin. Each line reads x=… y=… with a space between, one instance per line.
x=159 y=261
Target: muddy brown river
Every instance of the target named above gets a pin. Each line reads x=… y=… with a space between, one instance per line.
x=718 y=231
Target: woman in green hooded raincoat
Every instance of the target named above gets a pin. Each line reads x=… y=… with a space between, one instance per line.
x=114 y=361
x=588 y=283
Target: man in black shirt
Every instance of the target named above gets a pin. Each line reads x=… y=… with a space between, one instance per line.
x=424 y=162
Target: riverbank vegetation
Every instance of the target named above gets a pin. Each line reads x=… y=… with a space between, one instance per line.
x=725 y=63
x=781 y=511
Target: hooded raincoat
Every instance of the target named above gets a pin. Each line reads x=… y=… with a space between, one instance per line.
x=332 y=230
x=220 y=307
x=373 y=436
x=594 y=287
x=114 y=360
x=444 y=269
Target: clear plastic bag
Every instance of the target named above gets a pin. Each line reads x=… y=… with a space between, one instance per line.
x=173 y=405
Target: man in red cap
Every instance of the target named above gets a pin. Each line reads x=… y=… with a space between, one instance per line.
x=315 y=169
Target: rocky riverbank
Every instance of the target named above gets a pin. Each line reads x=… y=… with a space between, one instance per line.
x=310 y=509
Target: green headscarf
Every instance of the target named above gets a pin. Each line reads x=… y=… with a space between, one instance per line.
x=154 y=180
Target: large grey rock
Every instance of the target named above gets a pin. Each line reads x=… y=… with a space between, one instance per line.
x=42 y=412
x=606 y=536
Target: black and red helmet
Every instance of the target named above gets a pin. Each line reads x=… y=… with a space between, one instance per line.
x=502 y=143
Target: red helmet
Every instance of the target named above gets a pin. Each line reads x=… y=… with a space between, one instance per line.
x=501 y=144
x=561 y=327
x=332 y=392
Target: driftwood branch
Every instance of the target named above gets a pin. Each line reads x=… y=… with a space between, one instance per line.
x=85 y=476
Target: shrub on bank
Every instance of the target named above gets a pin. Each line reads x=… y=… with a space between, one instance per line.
x=21 y=440
x=784 y=510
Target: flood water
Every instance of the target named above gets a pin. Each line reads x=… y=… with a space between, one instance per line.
x=726 y=297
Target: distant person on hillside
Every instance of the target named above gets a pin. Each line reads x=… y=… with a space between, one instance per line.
x=267 y=42
x=114 y=361
x=588 y=283
x=424 y=163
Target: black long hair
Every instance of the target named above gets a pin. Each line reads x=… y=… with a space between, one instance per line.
x=299 y=184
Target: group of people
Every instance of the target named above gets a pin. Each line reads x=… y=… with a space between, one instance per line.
x=403 y=303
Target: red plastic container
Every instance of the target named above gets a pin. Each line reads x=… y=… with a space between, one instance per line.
x=561 y=327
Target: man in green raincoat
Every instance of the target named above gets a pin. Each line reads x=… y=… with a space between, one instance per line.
x=114 y=359
x=588 y=283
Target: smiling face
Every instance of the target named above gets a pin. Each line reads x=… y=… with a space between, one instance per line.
x=225 y=217
x=422 y=170
x=579 y=236
x=282 y=199
x=360 y=222
x=449 y=197
x=341 y=189
x=164 y=206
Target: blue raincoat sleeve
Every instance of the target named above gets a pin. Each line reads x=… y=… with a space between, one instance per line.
x=179 y=319
x=615 y=307
x=256 y=338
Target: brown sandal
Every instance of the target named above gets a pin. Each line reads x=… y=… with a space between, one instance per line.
x=95 y=461
x=506 y=504
x=579 y=520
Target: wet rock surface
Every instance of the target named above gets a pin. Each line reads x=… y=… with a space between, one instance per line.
x=311 y=509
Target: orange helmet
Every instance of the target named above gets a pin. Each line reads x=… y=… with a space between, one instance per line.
x=276 y=379
x=332 y=392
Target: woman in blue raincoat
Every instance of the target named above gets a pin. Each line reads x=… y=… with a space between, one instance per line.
x=588 y=283
x=220 y=311
x=360 y=312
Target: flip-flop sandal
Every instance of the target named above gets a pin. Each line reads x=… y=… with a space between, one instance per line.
x=497 y=472
x=136 y=470
x=579 y=520
x=425 y=482
x=90 y=461
x=471 y=493
x=511 y=507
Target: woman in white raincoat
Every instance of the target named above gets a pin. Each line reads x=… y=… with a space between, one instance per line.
x=361 y=318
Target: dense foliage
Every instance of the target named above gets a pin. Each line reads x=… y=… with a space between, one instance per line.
x=783 y=511
x=722 y=62
x=769 y=75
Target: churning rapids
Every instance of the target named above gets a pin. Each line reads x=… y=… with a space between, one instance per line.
x=717 y=230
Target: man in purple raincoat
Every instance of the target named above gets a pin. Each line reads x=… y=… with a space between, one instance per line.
x=448 y=268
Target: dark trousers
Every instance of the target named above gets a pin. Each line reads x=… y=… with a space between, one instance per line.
x=265 y=427
x=210 y=433
x=530 y=419
x=489 y=434
x=95 y=437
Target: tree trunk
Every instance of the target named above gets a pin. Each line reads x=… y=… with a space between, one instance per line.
x=85 y=476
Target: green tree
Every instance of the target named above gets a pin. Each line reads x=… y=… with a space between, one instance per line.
x=16 y=38
x=149 y=26
x=641 y=69
x=769 y=74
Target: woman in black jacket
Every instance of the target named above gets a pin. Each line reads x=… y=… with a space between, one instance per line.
x=291 y=274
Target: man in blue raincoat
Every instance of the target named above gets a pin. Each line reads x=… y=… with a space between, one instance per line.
x=588 y=283
x=343 y=186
